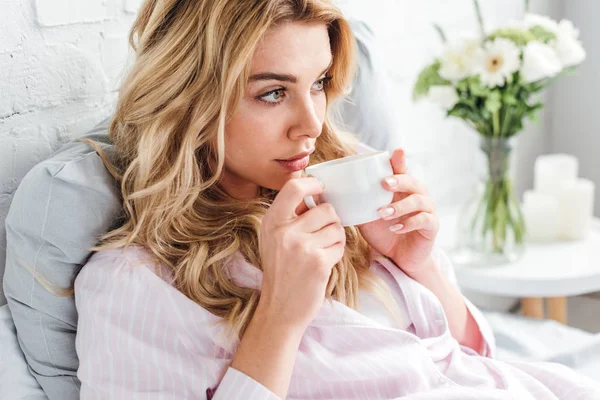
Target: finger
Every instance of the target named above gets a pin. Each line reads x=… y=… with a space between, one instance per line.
x=302 y=207
x=331 y=255
x=292 y=194
x=317 y=218
x=410 y=204
x=334 y=253
x=426 y=223
x=328 y=236
x=398 y=161
x=404 y=183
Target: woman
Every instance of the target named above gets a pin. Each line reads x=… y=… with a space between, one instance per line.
x=214 y=285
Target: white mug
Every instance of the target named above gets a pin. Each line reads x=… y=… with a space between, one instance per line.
x=353 y=186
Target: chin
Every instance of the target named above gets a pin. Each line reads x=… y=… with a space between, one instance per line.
x=279 y=183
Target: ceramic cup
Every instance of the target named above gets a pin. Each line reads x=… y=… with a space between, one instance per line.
x=353 y=186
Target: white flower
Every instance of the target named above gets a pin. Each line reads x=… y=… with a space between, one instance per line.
x=497 y=61
x=570 y=51
x=566 y=28
x=548 y=24
x=539 y=61
x=569 y=48
x=458 y=58
x=444 y=96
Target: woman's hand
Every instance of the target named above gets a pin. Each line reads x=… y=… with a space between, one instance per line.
x=408 y=228
x=298 y=248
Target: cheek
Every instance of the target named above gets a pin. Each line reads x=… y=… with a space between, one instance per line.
x=248 y=135
x=259 y=125
x=321 y=105
x=244 y=136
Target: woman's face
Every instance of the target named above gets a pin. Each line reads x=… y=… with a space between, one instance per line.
x=282 y=111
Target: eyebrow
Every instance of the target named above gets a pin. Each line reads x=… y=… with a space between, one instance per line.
x=272 y=76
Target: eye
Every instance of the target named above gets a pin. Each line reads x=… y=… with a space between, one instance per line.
x=321 y=84
x=273 y=96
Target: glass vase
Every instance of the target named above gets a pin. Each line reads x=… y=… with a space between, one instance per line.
x=491 y=228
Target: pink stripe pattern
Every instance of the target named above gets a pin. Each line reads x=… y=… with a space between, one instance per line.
x=140 y=338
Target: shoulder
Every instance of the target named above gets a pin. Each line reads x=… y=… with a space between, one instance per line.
x=124 y=285
x=132 y=255
x=122 y=268
x=119 y=289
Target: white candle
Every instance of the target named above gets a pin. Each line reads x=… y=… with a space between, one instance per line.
x=576 y=199
x=542 y=217
x=551 y=170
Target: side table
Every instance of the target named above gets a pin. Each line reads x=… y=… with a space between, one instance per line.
x=547 y=272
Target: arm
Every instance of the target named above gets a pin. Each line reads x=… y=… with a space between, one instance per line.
x=267 y=353
x=461 y=323
x=466 y=323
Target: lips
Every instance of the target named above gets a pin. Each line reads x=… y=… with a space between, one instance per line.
x=298 y=156
x=297 y=162
x=295 y=165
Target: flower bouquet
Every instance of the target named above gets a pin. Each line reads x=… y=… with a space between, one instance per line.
x=492 y=81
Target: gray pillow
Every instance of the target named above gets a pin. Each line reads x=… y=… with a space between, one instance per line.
x=59 y=209
x=367 y=109
x=67 y=201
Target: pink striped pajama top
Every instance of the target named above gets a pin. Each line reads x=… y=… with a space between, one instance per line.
x=140 y=338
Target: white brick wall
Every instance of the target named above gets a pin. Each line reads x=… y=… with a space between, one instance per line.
x=68 y=12
x=60 y=61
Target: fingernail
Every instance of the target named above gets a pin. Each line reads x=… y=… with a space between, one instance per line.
x=396 y=227
x=391 y=181
x=386 y=212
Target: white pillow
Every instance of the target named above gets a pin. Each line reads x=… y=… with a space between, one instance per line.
x=16 y=382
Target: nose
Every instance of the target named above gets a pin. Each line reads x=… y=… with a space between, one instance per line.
x=308 y=119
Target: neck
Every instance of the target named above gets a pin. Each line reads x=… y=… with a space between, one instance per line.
x=238 y=187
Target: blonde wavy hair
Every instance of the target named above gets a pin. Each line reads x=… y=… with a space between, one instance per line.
x=191 y=66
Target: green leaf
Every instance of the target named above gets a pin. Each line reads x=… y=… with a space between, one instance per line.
x=430 y=76
x=542 y=34
x=463 y=85
x=486 y=114
x=569 y=71
x=519 y=37
x=494 y=101
x=464 y=111
x=476 y=88
x=532 y=112
x=509 y=99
